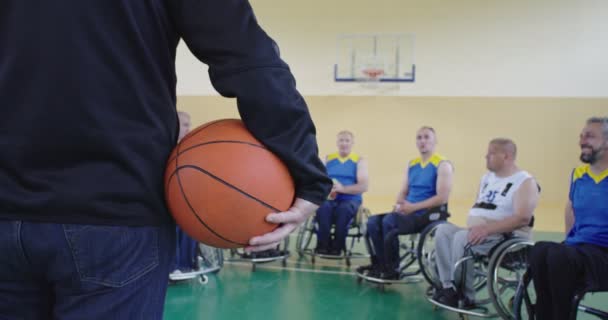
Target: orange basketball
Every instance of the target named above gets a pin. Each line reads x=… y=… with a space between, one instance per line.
x=221 y=182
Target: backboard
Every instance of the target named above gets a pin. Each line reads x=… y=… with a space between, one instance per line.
x=375 y=58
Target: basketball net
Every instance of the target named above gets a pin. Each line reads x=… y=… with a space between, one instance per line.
x=371 y=77
x=371 y=72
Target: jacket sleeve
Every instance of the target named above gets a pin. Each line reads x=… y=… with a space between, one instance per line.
x=244 y=62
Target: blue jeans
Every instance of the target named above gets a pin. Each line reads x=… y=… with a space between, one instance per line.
x=338 y=213
x=64 y=271
x=383 y=231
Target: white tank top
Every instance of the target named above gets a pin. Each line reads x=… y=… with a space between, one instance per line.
x=495 y=198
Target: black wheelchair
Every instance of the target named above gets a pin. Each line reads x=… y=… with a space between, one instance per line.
x=356 y=230
x=280 y=253
x=209 y=260
x=411 y=248
x=525 y=301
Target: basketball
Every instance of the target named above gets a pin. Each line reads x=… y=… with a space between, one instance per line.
x=221 y=183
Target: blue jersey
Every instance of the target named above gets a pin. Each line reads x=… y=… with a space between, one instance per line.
x=345 y=171
x=589 y=197
x=422 y=179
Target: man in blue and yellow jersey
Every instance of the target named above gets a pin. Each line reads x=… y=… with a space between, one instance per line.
x=426 y=188
x=580 y=262
x=348 y=170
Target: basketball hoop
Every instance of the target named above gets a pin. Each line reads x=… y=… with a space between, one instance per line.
x=372 y=74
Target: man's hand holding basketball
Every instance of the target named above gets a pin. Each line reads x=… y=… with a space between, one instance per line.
x=288 y=221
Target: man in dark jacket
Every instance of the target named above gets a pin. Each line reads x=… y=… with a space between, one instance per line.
x=87 y=122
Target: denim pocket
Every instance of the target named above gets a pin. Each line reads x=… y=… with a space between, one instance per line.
x=113 y=255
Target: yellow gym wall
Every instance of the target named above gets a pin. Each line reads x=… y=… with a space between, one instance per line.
x=514 y=48
x=545 y=130
x=529 y=70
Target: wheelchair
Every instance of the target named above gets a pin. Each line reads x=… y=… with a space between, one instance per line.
x=499 y=272
x=410 y=249
x=525 y=301
x=356 y=230
x=209 y=260
x=281 y=253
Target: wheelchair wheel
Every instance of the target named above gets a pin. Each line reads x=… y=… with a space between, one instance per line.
x=506 y=269
x=407 y=253
x=426 y=254
x=524 y=303
x=305 y=236
x=211 y=259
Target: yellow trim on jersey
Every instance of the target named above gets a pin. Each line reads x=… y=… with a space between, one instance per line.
x=435 y=159
x=352 y=156
x=580 y=171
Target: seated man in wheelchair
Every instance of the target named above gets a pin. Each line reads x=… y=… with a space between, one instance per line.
x=505 y=203
x=425 y=190
x=580 y=263
x=349 y=173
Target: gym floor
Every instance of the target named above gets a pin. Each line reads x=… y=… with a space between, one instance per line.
x=301 y=290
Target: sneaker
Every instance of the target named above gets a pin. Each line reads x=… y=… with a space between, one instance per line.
x=436 y=292
x=468 y=304
x=272 y=253
x=390 y=275
x=375 y=272
x=364 y=269
x=335 y=252
x=448 y=296
x=321 y=250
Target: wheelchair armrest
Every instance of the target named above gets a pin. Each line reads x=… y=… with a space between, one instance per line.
x=362 y=214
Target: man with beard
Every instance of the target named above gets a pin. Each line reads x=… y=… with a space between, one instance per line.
x=580 y=262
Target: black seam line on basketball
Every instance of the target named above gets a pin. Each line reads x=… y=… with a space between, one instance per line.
x=179 y=182
x=230 y=186
x=214 y=142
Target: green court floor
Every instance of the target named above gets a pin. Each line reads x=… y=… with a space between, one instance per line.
x=301 y=290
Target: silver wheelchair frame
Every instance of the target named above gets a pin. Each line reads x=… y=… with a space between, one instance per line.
x=500 y=272
x=356 y=230
x=209 y=260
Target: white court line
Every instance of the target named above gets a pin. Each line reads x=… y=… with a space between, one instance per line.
x=288 y=261
x=316 y=264
x=248 y=264
x=291 y=269
x=411 y=267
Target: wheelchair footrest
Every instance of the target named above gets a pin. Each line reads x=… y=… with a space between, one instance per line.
x=330 y=256
x=476 y=311
x=280 y=256
x=401 y=280
x=186 y=275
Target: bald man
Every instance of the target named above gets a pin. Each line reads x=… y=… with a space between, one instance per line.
x=505 y=203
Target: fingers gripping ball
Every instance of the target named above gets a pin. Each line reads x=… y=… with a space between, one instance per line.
x=221 y=182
